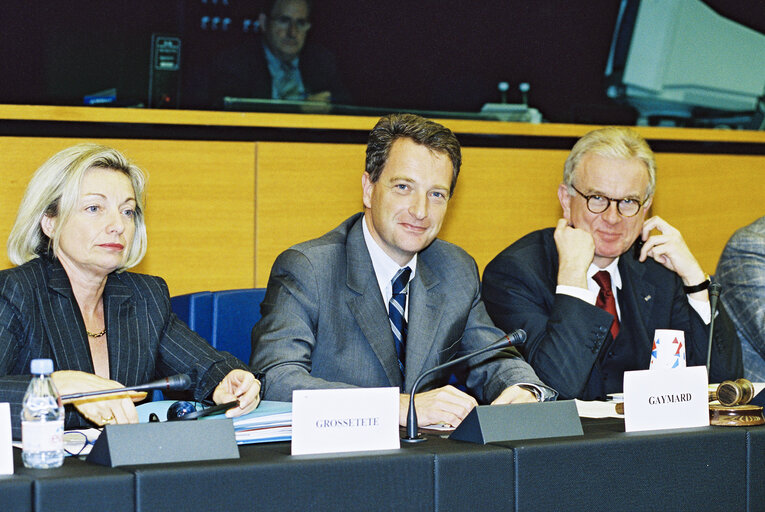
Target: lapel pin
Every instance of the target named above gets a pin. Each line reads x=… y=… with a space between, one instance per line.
x=647 y=298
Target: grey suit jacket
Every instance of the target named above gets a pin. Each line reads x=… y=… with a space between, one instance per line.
x=39 y=318
x=325 y=324
x=741 y=272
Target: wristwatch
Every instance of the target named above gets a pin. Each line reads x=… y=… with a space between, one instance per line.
x=698 y=287
x=542 y=394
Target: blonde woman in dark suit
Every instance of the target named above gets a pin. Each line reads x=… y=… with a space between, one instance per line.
x=80 y=225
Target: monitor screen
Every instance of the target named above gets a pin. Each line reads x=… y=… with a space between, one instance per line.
x=673 y=58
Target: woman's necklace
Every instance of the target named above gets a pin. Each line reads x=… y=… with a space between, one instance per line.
x=96 y=334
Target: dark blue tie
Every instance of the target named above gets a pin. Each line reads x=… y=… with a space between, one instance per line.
x=288 y=87
x=396 y=307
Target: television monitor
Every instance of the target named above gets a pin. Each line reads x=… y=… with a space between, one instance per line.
x=680 y=59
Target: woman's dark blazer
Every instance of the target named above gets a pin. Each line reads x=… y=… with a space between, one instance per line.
x=40 y=318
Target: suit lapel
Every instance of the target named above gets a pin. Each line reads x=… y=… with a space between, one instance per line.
x=426 y=307
x=367 y=305
x=124 y=331
x=63 y=322
x=638 y=296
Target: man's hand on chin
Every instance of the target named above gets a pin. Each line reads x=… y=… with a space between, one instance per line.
x=576 y=250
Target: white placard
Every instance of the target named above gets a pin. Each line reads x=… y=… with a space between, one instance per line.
x=662 y=399
x=344 y=420
x=6 y=440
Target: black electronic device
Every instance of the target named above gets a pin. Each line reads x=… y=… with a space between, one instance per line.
x=208 y=411
x=164 y=71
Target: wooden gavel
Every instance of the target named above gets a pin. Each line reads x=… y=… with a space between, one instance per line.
x=729 y=392
x=733 y=410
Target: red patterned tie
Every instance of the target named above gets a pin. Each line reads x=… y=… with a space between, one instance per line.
x=606 y=300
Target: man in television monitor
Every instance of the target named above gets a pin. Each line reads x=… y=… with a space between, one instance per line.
x=591 y=292
x=279 y=65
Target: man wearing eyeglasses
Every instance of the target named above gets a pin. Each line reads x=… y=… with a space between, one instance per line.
x=591 y=292
x=280 y=65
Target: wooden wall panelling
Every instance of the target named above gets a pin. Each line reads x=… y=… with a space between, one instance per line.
x=303 y=191
x=501 y=195
x=708 y=197
x=200 y=211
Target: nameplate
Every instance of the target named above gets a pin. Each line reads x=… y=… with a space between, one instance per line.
x=6 y=440
x=664 y=399
x=344 y=420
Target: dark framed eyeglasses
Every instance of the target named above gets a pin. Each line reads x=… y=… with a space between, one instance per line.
x=597 y=203
x=75 y=442
x=284 y=22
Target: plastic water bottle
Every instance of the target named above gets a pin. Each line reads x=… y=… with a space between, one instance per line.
x=42 y=420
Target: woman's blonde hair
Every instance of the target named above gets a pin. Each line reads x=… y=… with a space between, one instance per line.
x=54 y=190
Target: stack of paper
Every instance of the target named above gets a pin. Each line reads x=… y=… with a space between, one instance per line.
x=270 y=422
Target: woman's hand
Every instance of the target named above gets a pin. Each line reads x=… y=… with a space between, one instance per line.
x=101 y=410
x=238 y=385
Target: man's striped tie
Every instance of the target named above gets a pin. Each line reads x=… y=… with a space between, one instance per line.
x=396 y=307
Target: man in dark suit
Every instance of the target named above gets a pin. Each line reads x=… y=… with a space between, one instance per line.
x=583 y=335
x=280 y=65
x=379 y=299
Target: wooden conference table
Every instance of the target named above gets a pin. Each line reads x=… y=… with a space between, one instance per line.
x=710 y=468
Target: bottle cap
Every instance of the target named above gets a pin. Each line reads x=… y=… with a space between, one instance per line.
x=41 y=366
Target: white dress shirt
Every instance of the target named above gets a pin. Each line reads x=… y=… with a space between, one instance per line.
x=590 y=294
x=385 y=268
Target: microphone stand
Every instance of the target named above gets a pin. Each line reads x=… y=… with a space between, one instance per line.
x=714 y=294
x=517 y=337
x=176 y=382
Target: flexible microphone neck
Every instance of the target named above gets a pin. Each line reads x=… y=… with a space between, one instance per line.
x=514 y=339
x=178 y=382
x=714 y=294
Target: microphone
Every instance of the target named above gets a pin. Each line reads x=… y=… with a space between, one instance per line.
x=514 y=339
x=178 y=382
x=714 y=294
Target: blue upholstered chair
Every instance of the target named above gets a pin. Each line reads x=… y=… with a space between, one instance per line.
x=224 y=318
x=196 y=310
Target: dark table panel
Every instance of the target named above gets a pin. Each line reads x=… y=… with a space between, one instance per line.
x=470 y=476
x=15 y=492
x=267 y=477
x=688 y=469
x=80 y=486
x=606 y=469
x=756 y=476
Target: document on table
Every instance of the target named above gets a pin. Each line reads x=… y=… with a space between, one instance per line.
x=597 y=409
x=270 y=422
